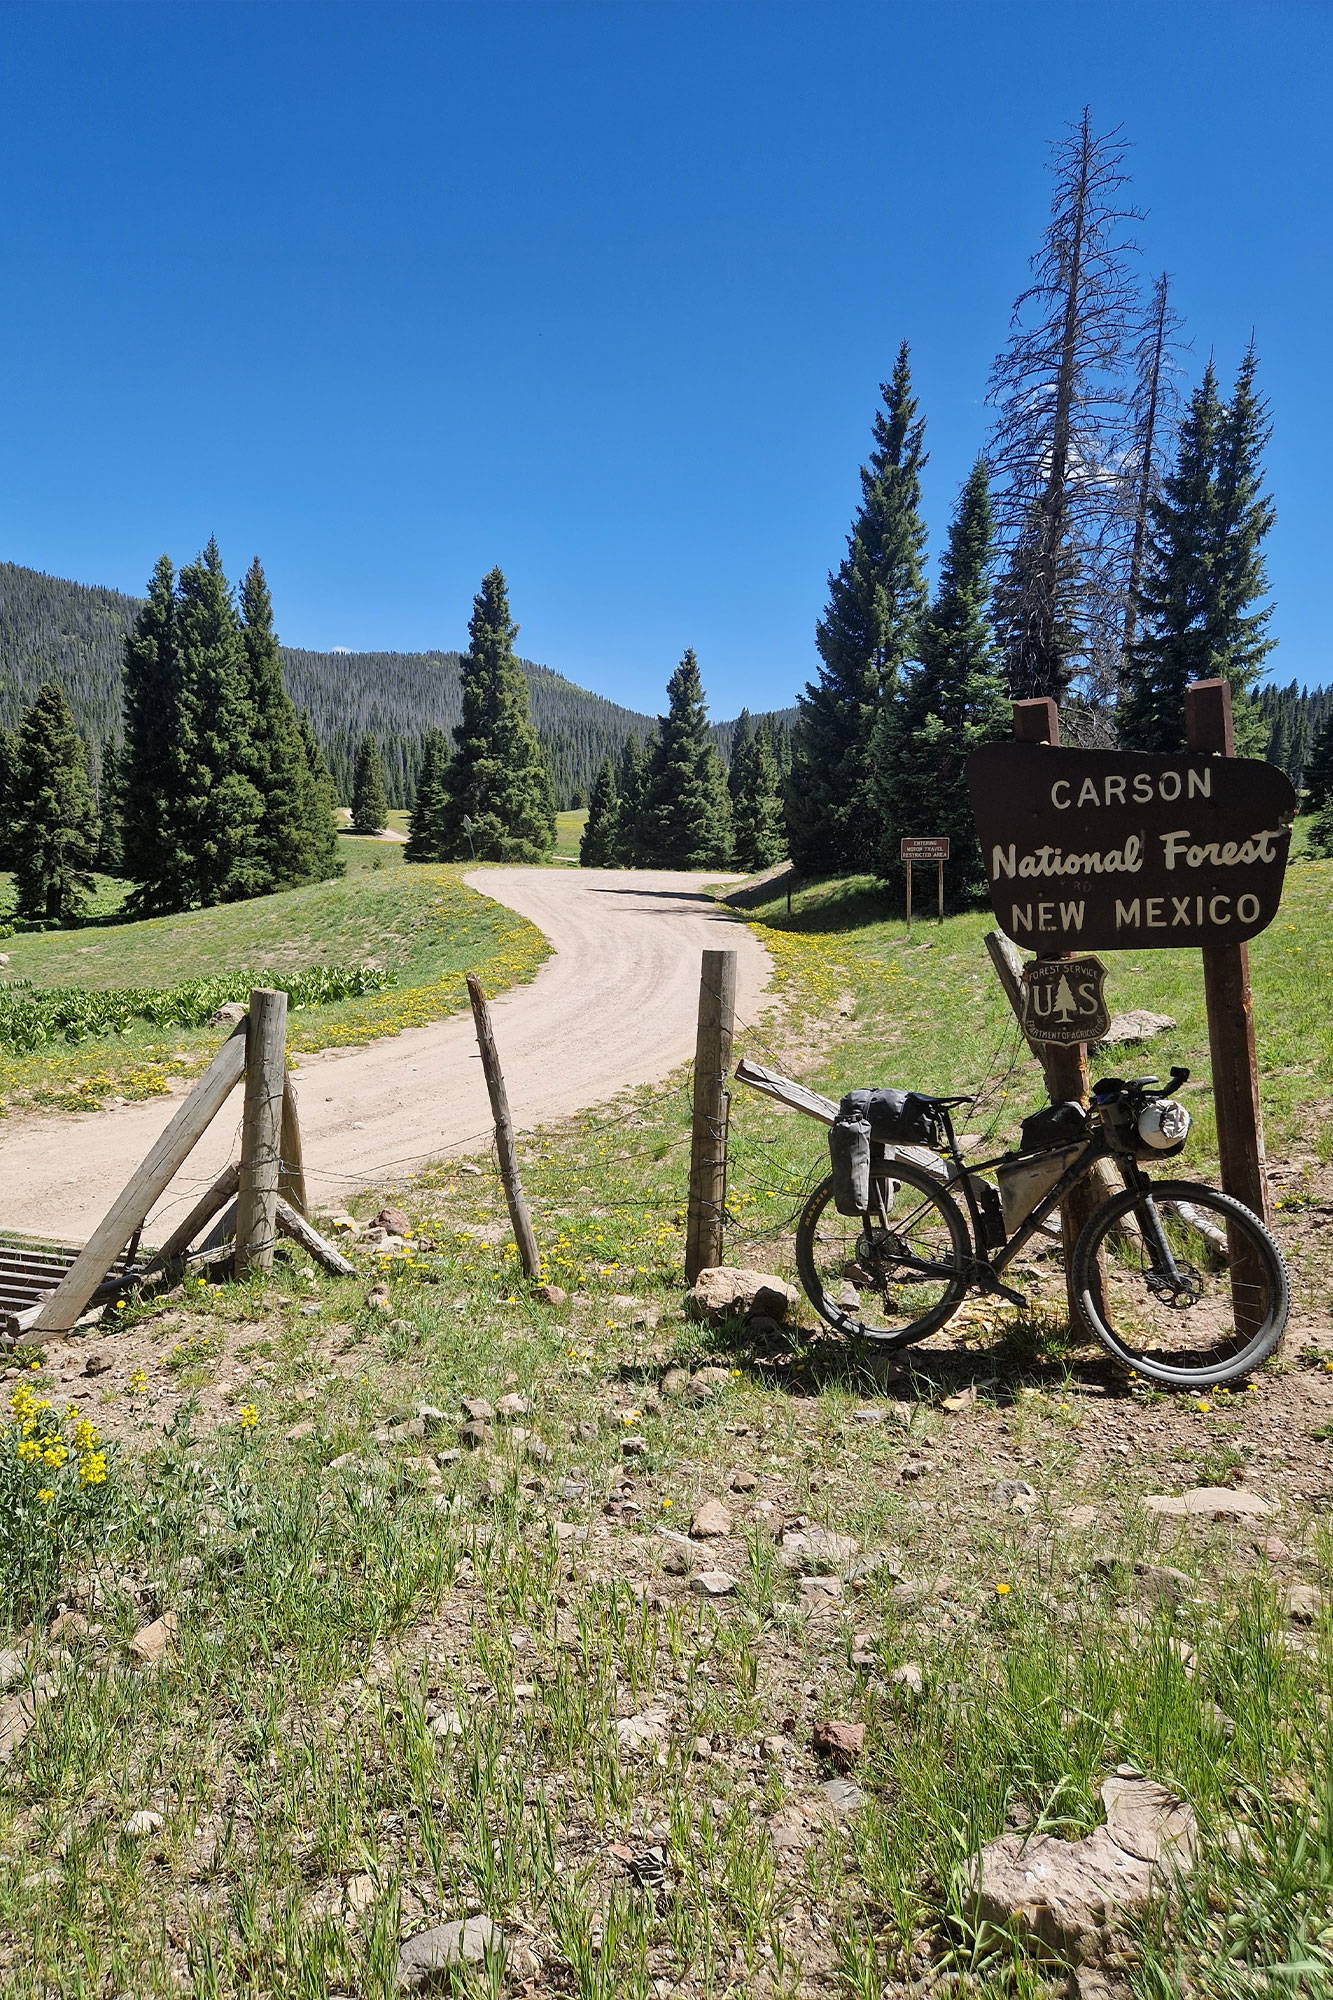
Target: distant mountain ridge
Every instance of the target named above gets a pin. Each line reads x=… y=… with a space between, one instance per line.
x=74 y=632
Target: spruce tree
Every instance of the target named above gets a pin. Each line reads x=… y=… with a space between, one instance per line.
x=51 y=819
x=319 y=805
x=370 y=807
x=686 y=810
x=499 y=802
x=7 y=750
x=758 y=831
x=219 y=810
x=952 y=702
x=291 y=845
x=425 y=837
x=1319 y=769
x=153 y=853
x=868 y=632
x=601 y=830
x=107 y=797
x=1203 y=571
x=631 y=781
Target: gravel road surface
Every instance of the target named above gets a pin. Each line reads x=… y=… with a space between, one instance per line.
x=614 y=1005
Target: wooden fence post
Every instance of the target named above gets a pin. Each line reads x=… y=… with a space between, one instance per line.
x=528 y=1255
x=291 y=1166
x=1066 y=1065
x=261 y=1129
x=1226 y=985
x=708 y=1136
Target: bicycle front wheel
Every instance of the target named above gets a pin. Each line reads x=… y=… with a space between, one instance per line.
x=1193 y=1291
x=899 y=1279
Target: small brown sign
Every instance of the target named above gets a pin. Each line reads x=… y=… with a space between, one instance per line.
x=920 y=847
x=1064 y=1000
x=1118 y=849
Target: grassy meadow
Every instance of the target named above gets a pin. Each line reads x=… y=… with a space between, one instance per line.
x=420 y=926
x=416 y=1672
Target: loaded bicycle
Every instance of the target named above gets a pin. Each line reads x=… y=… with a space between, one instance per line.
x=1180 y=1282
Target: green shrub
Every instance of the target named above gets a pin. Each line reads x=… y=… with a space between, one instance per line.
x=32 y=1017
x=53 y=1498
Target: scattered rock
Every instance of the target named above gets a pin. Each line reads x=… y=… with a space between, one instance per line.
x=644 y=1734
x=379 y=1299
x=674 y=1382
x=1015 y=1494
x=466 y=1167
x=1069 y=1895
x=97 y=1364
x=1137 y=1026
x=1210 y=1503
x=1302 y=1603
x=842 y=1796
x=1273 y=1548
x=633 y=1447
x=228 y=1014
x=713 y=1583
x=808 y=1550
x=427 y=1961
x=725 y=1292
x=743 y=1482
x=909 y=1677
x=17 y=1716
x=396 y=1221
x=819 y=1590
x=478 y=1410
x=840 y=1742
x=151 y=1643
x=1081 y=1517
x=511 y=1407
x=914 y=1468
x=474 y=1435
x=711 y=1522
x=1164 y=1584
x=867 y=1416
x=72 y=1627
x=141 y=1825
x=551 y=1295
x=12 y=1670
x=962 y=1401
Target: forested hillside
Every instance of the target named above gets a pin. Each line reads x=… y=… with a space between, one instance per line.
x=75 y=633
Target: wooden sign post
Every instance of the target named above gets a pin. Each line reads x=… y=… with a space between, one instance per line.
x=920 y=847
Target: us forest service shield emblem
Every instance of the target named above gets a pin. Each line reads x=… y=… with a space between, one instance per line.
x=1064 y=1000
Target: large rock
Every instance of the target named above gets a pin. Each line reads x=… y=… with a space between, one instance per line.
x=726 y=1292
x=1137 y=1026
x=1069 y=1897
x=428 y=1961
x=1210 y=1503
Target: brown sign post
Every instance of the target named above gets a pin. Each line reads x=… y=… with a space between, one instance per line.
x=923 y=847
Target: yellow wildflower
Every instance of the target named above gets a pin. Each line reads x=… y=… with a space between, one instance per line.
x=46 y=1495
x=248 y=1416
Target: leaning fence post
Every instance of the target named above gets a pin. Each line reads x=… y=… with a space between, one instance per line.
x=708 y=1135
x=528 y=1255
x=261 y=1130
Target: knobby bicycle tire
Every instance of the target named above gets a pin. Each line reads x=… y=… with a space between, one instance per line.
x=1252 y=1350
x=853 y=1321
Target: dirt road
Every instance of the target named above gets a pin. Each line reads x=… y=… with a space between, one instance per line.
x=615 y=1005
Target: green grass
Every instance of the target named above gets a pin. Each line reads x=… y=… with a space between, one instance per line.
x=419 y=924
x=346 y=1578
x=568 y=833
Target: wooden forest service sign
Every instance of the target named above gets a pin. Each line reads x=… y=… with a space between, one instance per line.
x=925 y=847
x=1117 y=850
x=1064 y=1001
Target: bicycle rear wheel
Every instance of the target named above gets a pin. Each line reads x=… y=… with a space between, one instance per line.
x=899 y=1280
x=1190 y=1325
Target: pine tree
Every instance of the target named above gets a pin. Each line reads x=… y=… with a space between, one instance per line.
x=52 y=823
x=1319 y=770
x=952 y=702
x=869 y=630
x=8 y=748
x=425 y=837
x=219 y=810
x=758 y=831
x=151 y=781
x=1058 y=453
x=107 y=798
x=319 y=806
x=286 y=852
x=1153 y=409
x=601 y=829
x=631 y=783
x=370 y=809
x=1202 y=573
x=499 y=802
x=686 y=810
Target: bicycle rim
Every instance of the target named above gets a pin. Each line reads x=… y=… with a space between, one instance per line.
x=1216 y=1319
x=900 y=1281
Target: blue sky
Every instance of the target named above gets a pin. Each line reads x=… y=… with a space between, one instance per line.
x=601 y=293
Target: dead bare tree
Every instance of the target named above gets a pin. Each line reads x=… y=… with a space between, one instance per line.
x=1058 y=452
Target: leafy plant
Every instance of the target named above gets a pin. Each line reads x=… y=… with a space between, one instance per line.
x=32 y=1017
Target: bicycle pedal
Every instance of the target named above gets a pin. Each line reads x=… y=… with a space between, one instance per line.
x=1006 y=1292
